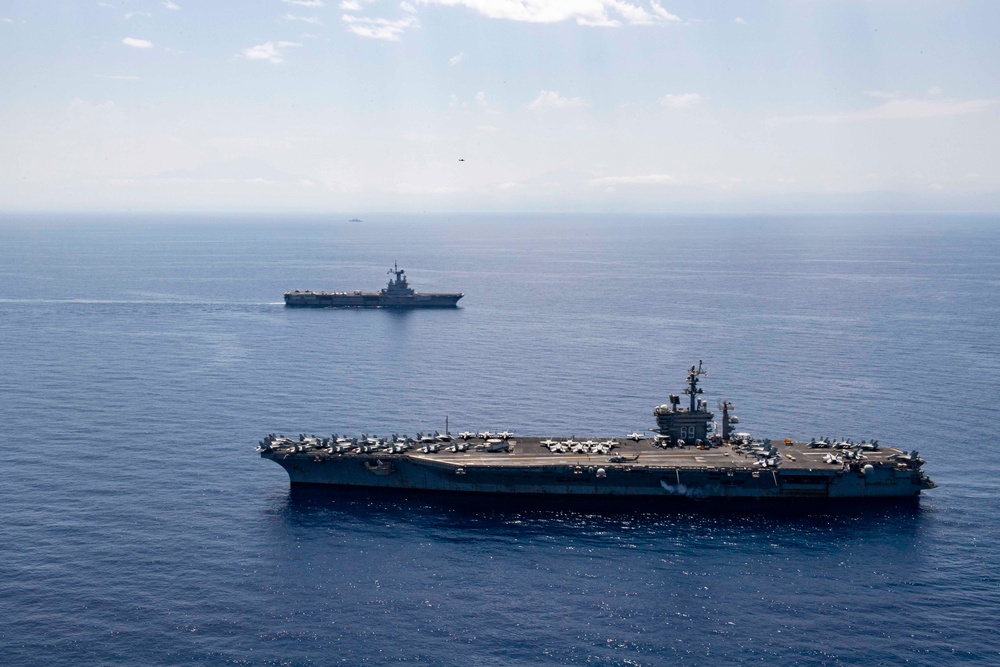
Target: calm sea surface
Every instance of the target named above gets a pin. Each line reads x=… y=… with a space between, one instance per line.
x=141 y=359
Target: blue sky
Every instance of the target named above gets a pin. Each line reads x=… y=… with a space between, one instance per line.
x=499 y=105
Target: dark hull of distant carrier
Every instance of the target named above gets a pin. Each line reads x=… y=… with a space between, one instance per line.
x=397 y=294
x=682 y=460
x=369 y=300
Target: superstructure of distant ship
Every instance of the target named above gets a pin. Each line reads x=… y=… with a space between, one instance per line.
x=397 y=294
x=680 y=458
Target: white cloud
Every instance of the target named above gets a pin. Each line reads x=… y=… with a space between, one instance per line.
x=4 y=19
x=407 y=7
x=106 y=5
x=415 y=189
x=315 y=20
x=739 y=21
x=131 y=15
x=934 y=90
x=350 y=6
x=898 y=109
x=457 y=58
x=662 y=13
x=176 y=180
x=648 y=179
x=681 y=100
x=481 y=98
x=378 y=28
x=171 y=6
x=550 y=99
x=305 y=3
x=585 y=12
x=95 y=113
x=137 y=43
x=422 y=137
x=268 y=51
x=884 y=94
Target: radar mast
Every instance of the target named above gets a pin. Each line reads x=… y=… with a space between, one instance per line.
x=692 y=389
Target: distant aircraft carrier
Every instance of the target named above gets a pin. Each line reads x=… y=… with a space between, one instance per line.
x=397 y=294
x=681 y=459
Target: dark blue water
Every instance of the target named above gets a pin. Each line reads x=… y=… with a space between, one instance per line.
x=142 y=359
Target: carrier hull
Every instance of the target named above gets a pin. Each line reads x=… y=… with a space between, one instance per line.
x=682 y=460
x=686 y=472
x=397 y=294
x=369 y=300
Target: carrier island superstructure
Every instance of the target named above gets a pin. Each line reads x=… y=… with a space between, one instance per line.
x=397 y=294
x=682 y=457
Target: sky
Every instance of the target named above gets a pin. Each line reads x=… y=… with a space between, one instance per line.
x=644 y=106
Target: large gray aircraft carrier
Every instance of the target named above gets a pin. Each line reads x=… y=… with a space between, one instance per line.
x=397 y=294
x=680 y=458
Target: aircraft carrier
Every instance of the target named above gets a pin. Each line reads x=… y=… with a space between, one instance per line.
x=679 y=458
x=397 y=294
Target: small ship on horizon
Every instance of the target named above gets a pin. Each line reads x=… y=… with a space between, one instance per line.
x=397 y=294
x=681 y=459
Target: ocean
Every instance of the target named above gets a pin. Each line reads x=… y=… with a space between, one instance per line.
x=143 y=357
